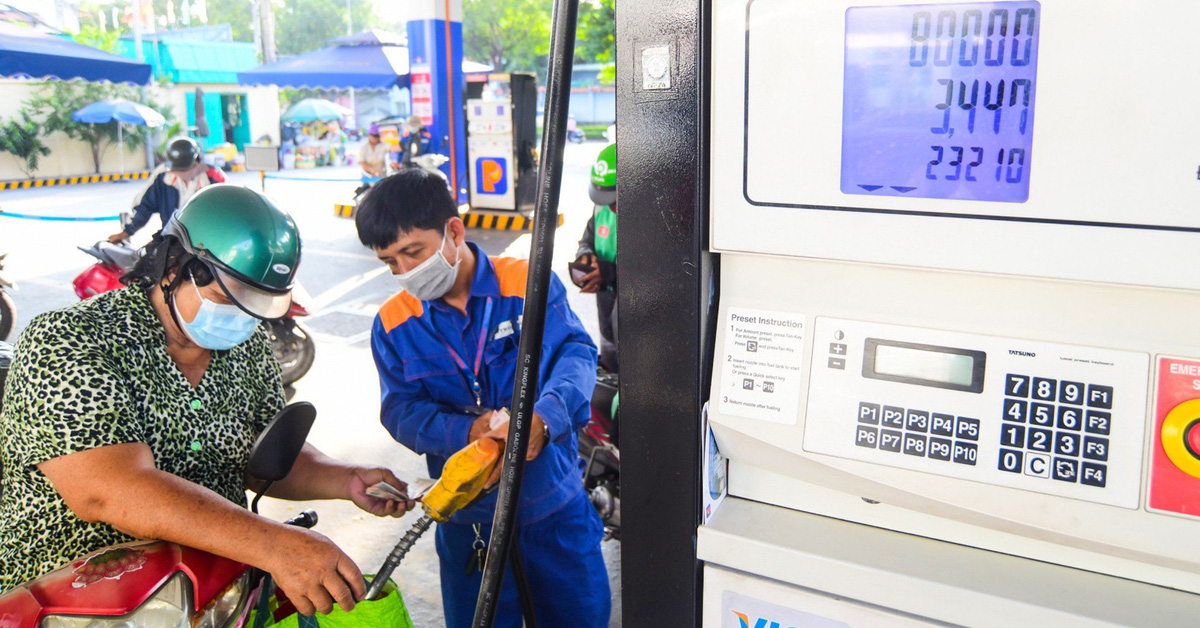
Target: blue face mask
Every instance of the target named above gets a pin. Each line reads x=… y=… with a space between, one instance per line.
x=216 y=326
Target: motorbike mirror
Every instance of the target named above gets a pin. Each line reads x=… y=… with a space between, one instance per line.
x=279 y=445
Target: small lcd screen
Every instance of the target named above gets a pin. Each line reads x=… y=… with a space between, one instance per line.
x=926 y=365
x=938 y=100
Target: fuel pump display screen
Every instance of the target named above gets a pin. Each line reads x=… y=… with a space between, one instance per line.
x=938 y=100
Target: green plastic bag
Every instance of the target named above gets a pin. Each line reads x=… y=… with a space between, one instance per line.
x=386 y=612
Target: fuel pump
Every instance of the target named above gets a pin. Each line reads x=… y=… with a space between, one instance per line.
x=929 y=293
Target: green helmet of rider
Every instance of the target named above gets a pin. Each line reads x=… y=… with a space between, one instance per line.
x=251 y=247
x=603 y=187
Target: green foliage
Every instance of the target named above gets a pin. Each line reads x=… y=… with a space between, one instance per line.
x=608 y=74
x=90 y=35
x=239 y=14
x=23 y=139
x=53 y=104
x=596 y=33
x=511 y=35
x=307 y=25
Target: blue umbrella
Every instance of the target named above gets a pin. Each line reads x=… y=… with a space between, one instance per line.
x=311 y=109
x=121 y=111
x=26 y=52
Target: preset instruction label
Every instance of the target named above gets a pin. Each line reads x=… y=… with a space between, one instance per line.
x=762 y=365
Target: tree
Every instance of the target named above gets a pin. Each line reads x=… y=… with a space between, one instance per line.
x=23 y=139
x=108 y=41
x=53 y=104
x=596 y=34
x=238 y=14
x=511 y=35
x=307 y=25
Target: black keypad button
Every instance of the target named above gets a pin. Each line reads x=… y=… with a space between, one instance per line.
x=914 y=445
x=890 y=440
x=867 y=437
x=1040 y=440
x=1100 y=396
x=1095 y=448
x=1070 y=418
x=1041 y=414
x=1070 y=392
x=917 y=421
x=966 y=429
x=940 y=448
x=1016 y=410
x=1094 y=474
x=941 y=425
x=1044 y=389
x=893 y=417
x=1012 y=435
x=1011 y=460
x=965 y=453
x=868 y=413
x=1098 y=422
x=1016 y=385
x=1066 y=470
x=1066 y=443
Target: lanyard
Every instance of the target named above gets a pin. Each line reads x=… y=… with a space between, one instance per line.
x=473 y=376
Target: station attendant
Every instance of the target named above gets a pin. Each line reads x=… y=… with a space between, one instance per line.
x=171 y=186
x=446 y=349
x=598 y=250
x=372 y=156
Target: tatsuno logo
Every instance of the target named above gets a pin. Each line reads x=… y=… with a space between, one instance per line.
x=759 y=622
x=1023 y=354
x=490 y=176
x=282 y=269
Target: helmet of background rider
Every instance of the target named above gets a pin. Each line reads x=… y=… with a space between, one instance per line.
x=251 y=246
x=603 y=186
x=182 y=153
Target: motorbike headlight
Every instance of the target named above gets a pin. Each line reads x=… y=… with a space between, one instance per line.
x=226 y=606
x=169 y=607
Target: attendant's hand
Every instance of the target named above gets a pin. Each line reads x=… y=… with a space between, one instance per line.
x=537 y=442
x=118 y=237
x=363 y=477
x=315 y=573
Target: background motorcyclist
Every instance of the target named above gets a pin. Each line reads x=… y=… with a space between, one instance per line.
x=598 y=251
x=131 y=414
x=170 y=186
x=415 y=141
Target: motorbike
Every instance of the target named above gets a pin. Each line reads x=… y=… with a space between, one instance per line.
x=293 y=346
x=599 y=443
x=8 y=309
x=160 y=584
x=576 y=136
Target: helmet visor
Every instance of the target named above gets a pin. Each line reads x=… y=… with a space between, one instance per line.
x=253 y=301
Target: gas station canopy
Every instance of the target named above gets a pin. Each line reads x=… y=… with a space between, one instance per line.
x=371 y=62
x=38 y=55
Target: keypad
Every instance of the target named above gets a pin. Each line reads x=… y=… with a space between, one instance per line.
x=1056 y=430
x=917 y=432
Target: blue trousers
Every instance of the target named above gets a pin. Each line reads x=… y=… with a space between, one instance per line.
x=567 y=577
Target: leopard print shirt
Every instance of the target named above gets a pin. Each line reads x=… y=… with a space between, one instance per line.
x=97 y=373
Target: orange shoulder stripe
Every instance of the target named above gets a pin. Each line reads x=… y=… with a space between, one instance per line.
x=398 y=309
x=513 y=275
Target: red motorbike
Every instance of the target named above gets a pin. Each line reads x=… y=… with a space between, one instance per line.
x=293 y=345
x=599 y=443
x=155 y=584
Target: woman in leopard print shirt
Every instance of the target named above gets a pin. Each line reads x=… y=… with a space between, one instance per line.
x=118 y=424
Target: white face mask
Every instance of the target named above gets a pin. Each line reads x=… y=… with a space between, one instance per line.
x=432 y=278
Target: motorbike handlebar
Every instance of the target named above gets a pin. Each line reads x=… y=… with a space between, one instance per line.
x=306 y=519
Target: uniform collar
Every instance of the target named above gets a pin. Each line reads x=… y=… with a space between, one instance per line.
x=483 y=284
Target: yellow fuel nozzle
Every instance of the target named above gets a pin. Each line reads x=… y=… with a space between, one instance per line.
x=463 y=477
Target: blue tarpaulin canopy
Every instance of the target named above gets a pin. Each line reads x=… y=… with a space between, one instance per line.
x=25 y=52
x=371 y=61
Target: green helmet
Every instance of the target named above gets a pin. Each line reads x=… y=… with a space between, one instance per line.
x=251 y=246
x=603 y=189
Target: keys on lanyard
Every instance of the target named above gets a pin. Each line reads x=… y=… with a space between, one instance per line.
x=473 y=375
x=478 y=551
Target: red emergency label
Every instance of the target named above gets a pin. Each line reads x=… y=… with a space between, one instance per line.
x=1175 y=466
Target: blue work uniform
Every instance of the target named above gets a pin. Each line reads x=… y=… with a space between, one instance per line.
x=435 y=365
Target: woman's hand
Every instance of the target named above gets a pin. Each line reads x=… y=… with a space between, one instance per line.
x=360 y=478
x=314 y=573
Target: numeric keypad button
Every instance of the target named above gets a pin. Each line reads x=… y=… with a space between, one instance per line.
x=1098 y=422
x=1040 y=440
x=1016 y=410
x=1070 y=418
x=1070 y=392
x=1095 y=448
x=1011 y=461
x=1044 y=389
x=1016 y=385
x=1100 y=396
x=1012 y=435
x=1066 y=444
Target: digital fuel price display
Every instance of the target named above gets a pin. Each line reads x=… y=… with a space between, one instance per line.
x=938 y=100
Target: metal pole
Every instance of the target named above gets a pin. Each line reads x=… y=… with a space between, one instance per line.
x=545 y=221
